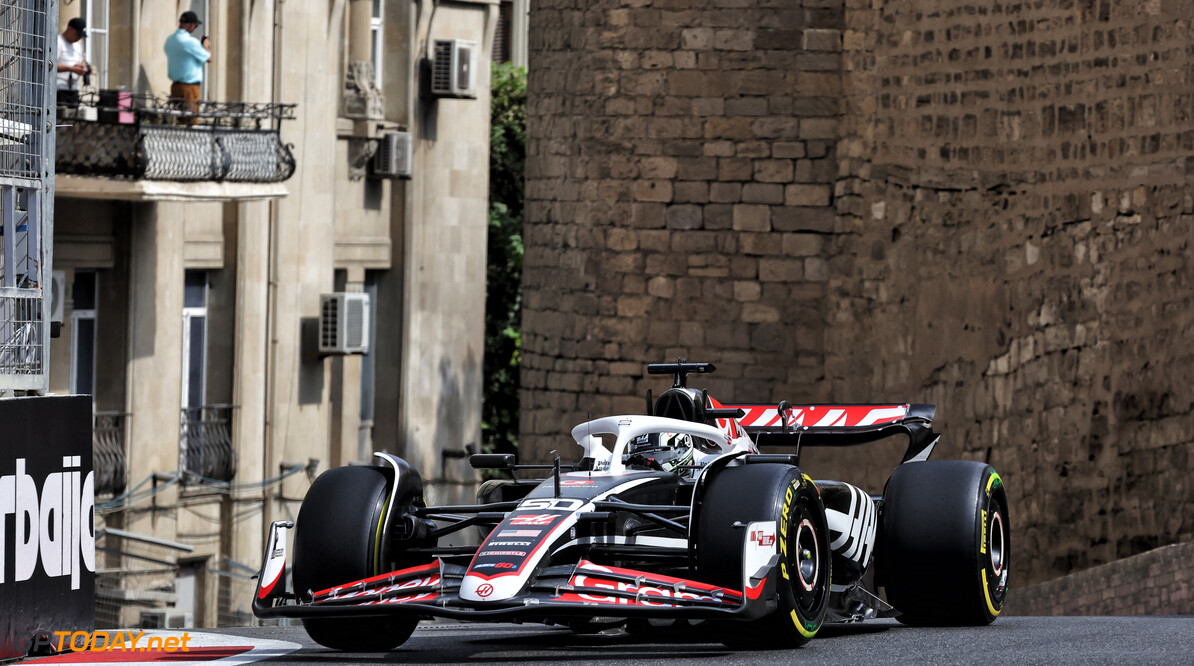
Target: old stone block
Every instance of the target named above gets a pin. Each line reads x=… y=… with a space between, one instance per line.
x=719 y=148
x=747 y=291
x=763 y=193
x=759 y=244
x=806 y=195
x=725 y=192
x=818 y=128
x=731 y=128
x=696 y=168
x=756 y=313
x=733 y=168
x=749 y=217
x=708 y=106
x=787 y=149
x=652 y=190
x=648 y=216
x=657 y=168
x=684 y=217
x=746 y=106
x=661 y=287
x=621 y=240
x=781 y=270
x=822 y=40
x=802 y=245
x=691 y=191
x=696 y=39
x=733 y=40
x=719 y=216
x=799 y=218
x=686 y=83
x=695 y=241
x=654 y=240
x=773 y=171
x=753 y=149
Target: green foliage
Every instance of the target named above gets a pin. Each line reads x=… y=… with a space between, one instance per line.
x=503 y=297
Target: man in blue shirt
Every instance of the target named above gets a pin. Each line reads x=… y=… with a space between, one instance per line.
x=185 y=57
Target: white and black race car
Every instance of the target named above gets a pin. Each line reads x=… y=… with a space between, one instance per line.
x=673 y=514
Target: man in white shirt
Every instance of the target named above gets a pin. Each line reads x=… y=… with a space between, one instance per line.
x=71 y=65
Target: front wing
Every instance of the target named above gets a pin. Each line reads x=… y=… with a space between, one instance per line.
x=585 y=588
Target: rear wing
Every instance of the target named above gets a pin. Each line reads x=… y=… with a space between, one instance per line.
x=835 y=425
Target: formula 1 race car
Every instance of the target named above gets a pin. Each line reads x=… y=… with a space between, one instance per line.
x=676 y=514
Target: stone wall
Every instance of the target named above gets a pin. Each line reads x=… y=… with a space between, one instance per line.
x=984 y=205
x=681 y=161
x=1016 y=209
x=1158 y=582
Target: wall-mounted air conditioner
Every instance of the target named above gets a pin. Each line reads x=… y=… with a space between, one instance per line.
x=344 y=323
x=393 y=156
x=454 y=69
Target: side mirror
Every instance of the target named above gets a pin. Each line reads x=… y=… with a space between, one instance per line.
x=491 y=460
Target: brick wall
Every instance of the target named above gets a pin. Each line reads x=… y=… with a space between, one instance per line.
x=985 y=205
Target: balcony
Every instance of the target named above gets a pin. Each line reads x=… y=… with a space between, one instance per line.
x=107 y=445
x=205 y=442
x=145 y=148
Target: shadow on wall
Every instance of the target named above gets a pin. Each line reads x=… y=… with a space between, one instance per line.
x=457 y=411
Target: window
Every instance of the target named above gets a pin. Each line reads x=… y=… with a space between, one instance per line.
x=375 y=33
x=82 y=318
x=95 y=47
x=504 y=34
x=194 y=339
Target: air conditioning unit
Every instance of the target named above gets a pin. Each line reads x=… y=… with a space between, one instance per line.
x=57 y=295
x=166 y=618
x=344 y=323
x=393 y=157
x=454 y=70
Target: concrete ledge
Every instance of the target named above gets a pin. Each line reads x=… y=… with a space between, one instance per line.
x=1159 y=582
x=117 y=189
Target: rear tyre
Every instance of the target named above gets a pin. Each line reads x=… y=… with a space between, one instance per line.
x=768 y=492
x=944 y=543
x=336 y=541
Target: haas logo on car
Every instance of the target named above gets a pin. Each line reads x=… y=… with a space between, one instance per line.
x=762 y=538
x=485 y=590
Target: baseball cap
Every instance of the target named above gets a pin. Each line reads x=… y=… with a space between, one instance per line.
x=189 y=17
x=79 y=25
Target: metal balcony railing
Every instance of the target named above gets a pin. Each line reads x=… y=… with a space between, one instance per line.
x=153 y=138
x=205 y=442
x=107 y=444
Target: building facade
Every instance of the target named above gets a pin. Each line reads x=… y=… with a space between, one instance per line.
x=193 y=304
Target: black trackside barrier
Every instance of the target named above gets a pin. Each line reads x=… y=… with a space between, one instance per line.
x=47 y=559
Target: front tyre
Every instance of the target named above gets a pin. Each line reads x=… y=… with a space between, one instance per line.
x=779 y=493
x=335 y=542
x=944 y=543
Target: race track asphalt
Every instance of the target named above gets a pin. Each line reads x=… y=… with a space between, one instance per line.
x=1010 y=640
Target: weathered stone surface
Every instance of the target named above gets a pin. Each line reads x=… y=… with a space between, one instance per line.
x=985 y=205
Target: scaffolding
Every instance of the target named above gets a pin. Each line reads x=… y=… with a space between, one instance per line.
x=27 y=103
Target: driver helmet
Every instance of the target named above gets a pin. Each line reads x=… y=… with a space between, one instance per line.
x=670 y=450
